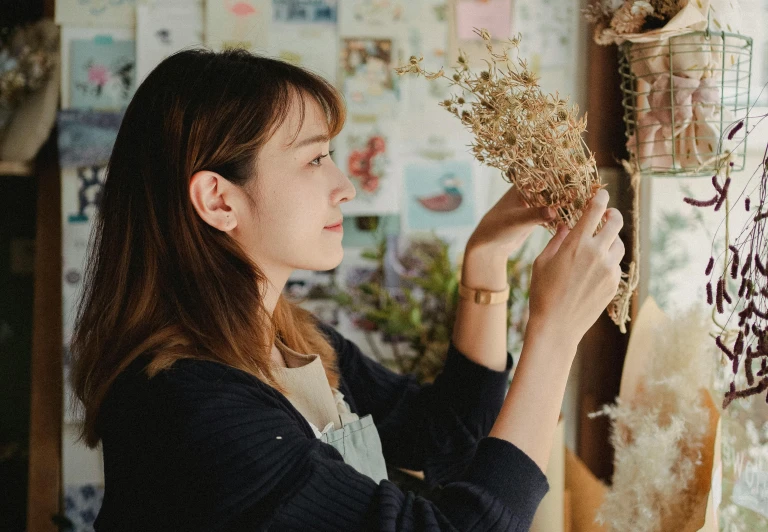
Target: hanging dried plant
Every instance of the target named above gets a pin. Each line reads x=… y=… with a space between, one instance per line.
x=745 y=260
x=535 y=139
x=613 y=19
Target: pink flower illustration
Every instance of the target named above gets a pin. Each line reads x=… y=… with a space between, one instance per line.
x=98 y=75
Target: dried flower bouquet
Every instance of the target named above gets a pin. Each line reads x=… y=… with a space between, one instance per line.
x=664 y=428
x=535 y=139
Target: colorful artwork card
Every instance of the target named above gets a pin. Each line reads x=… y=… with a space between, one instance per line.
x=367 y=78
x=439 y=195
x=238 y=24
x=96 y=13
x=312 y=46
x=162 y=29
x=86 y=137
x=364 y=152
x=103 y=73
x=305 y=11
x=72 y=34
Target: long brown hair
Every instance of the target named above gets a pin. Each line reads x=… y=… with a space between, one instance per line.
x=161 y=281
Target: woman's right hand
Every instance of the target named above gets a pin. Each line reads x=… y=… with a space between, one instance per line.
x=577 y=274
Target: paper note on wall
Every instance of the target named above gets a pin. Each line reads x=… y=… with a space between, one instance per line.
x=164 y=29
x=493 y=15
x=96 y=13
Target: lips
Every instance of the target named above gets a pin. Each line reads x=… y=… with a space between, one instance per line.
x=337 y=224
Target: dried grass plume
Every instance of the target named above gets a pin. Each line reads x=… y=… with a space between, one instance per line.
x=659 y=438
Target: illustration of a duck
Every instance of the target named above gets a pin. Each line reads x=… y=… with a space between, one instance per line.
x=449 y=200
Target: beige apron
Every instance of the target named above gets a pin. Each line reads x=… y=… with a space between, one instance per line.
x=308 y=390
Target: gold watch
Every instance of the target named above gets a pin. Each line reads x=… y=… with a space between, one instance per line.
x=483 y=297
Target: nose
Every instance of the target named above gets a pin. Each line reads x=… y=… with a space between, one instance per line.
x=345 y=191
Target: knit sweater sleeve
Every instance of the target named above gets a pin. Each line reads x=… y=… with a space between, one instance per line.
x=433 y=428
x=245 y=461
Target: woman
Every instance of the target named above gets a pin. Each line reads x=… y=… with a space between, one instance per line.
x=222 y=406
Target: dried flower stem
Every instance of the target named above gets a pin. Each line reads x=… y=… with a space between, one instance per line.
x=535 y=139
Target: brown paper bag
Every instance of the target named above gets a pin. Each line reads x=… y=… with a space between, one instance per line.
x=586 y=495
x=708 y=479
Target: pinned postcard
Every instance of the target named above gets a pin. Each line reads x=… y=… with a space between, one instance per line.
x=162 y=29
x=364 y=152
x=375 y=18
x=238 y=24
x=81 y=190
x=547 y=27
x=462 y=36
x=367 y=76
x=96 y=13
x=69 y=35
x=428 y=40
x=86 y=137
x=102 y=73
x=305 y=11
x=312 y=46
x=493 y=15
x=439 y=195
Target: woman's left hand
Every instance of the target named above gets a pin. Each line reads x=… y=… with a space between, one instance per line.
x=507 y=225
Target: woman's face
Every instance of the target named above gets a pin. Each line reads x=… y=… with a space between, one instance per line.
x=297 y=193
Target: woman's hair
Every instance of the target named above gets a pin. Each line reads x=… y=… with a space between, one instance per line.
x=161 y=281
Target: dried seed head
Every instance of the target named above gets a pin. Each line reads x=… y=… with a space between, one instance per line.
x=510 y=138
x=456 y=77
x=460 y=100
x=578 y=203
x=485 y=75
x=562 y=115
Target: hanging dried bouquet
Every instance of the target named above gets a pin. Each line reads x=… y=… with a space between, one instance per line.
x=535 y=139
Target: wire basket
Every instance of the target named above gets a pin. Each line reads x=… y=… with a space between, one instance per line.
x=682 y=98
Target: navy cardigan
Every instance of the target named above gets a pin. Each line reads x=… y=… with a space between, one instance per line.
x=203 y=446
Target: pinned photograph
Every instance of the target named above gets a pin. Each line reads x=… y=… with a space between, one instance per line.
x=367 y=78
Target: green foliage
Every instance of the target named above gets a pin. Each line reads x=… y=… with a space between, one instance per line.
x=420 y=313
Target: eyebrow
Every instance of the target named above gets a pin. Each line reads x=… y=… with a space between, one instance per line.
x=312 y=140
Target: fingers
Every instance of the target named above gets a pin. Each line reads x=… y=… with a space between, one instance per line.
x=592 y=215
x=614 y=221
x=534 y=215
x=616 y=251
x=555 y=242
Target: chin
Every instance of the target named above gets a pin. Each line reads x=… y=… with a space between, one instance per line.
x=327 y=262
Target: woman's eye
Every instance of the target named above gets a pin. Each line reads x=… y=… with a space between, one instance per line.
x=316 y=160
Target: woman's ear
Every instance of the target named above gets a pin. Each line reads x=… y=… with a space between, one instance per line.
x=213 y=198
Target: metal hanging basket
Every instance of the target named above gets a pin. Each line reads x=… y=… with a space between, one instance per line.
x=682 y=98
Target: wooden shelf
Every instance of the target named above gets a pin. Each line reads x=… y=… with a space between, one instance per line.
x=15 y=168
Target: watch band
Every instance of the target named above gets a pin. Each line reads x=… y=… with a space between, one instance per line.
x=483 y=297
